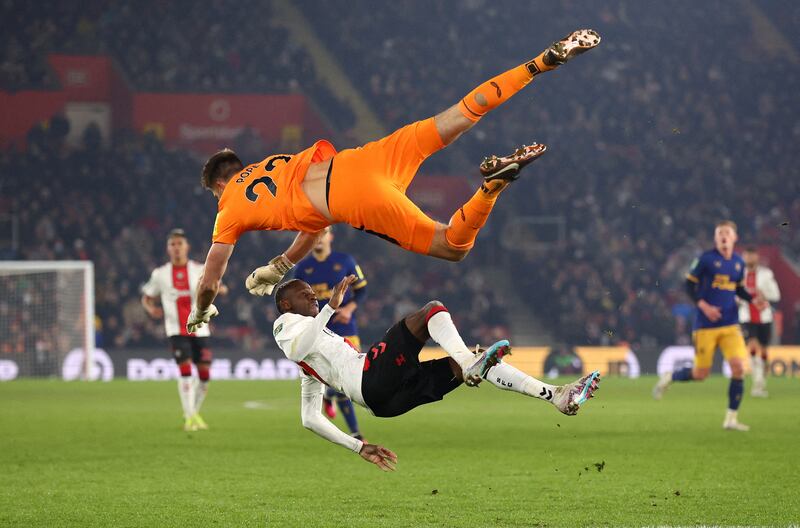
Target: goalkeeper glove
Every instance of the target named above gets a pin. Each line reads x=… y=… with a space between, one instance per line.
x=264 y=279
x=198 y=318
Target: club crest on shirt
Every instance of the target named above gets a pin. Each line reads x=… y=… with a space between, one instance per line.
x=717 y=264
x=738 y=267
x=309 y=271
x=337 y=267
x=277 y=329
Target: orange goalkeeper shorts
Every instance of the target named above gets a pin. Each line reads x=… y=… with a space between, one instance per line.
x=368 y=186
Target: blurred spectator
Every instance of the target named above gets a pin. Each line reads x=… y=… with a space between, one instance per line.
x=114 y=206
x=654 y=136
x=218 y=46
x=682 y=116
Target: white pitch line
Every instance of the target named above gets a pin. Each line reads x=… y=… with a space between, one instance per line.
x=258 y=405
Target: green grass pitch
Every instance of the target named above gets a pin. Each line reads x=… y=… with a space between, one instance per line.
x=94 y=454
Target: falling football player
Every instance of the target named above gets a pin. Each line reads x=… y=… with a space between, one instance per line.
x=389 y=379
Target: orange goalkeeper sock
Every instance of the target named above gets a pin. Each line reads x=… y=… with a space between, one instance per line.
x=498 y=90
x=469 y=219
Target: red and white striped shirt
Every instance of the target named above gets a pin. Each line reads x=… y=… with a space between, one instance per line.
x=761 y=279
x=177 y=286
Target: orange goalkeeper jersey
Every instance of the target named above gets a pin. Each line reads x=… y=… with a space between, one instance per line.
x=268 y=196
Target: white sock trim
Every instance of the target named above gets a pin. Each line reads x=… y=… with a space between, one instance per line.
x=506 y=377
x=186 y=393
x=757 y=366
x=200 y=393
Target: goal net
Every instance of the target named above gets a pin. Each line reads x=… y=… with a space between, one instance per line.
x=46 y=315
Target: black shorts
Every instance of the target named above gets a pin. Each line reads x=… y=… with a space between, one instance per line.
x=190 y=347
x=759 y=331
x=394 y=381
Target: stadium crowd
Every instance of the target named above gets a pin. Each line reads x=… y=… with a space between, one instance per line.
x=164 y=46
x=116 y=206
x=651 y=136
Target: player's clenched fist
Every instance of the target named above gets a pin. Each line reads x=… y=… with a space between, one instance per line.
x=198 y=318
x=264 y=279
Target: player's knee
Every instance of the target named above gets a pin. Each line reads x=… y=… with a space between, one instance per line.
x=737 y=369
x=185 y=368
x=700 y=374
x=431 y=305
x=443 y=249
x=456 y=254
x=417 y=322
x=203 y=371
x=421 y=316
x=449 y=253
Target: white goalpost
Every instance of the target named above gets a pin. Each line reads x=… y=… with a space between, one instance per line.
x=46 y=314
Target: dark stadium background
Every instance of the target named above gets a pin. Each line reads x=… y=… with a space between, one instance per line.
x=687 y=113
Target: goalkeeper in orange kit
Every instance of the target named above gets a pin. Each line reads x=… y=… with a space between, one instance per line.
x=365 y=186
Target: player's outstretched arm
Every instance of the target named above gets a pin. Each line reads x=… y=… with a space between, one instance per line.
x=214 y=269
x=311 y=391
x=208 y=285
x=302 y=245
x=263 y=280
x=303 y=343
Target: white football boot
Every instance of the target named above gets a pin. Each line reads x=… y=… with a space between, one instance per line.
x=731 y=422
x=568 y=398
x=485 y=359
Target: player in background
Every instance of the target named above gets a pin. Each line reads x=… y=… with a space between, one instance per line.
x=389 y=379
x=365 y=187
x=174 y=284
x=756 y=318
x=714 y=281
x=323 y=270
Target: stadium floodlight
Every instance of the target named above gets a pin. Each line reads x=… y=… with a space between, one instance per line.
x=46 y=313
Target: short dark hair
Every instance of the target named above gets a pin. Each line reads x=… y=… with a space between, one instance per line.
x=177 y=233
x=220 y=166
x=282 y=290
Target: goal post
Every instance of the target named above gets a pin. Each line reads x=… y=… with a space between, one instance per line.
x=46 y=314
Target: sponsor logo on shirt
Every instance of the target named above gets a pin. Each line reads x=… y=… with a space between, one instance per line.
x=723 y=282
